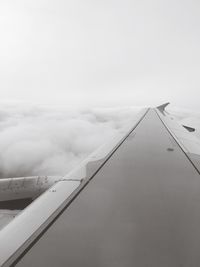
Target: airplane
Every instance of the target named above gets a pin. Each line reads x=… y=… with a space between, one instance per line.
x=134 y=202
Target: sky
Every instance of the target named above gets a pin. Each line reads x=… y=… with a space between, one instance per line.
x=108 y=53
x=72 y=74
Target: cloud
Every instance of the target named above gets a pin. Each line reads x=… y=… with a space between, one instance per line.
x=36 y=140
x=39 y=140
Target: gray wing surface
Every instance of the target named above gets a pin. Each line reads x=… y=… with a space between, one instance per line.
x=140 y=207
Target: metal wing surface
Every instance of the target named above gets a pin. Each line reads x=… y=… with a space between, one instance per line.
x=136 y=203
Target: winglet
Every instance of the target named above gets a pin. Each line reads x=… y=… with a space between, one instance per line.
x=163 y=106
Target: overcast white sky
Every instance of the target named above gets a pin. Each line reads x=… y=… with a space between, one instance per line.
x=104 y=53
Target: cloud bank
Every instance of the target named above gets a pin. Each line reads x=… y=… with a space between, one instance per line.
x=37 y=140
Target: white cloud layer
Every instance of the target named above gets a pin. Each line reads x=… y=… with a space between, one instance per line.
x=38 y=140
x=42 y=141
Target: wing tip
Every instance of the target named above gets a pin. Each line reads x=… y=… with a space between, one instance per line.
x=163 y=106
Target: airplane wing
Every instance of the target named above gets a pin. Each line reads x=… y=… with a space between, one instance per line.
x=133 y=203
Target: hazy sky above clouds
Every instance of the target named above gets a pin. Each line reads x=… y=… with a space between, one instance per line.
x=100 y=53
